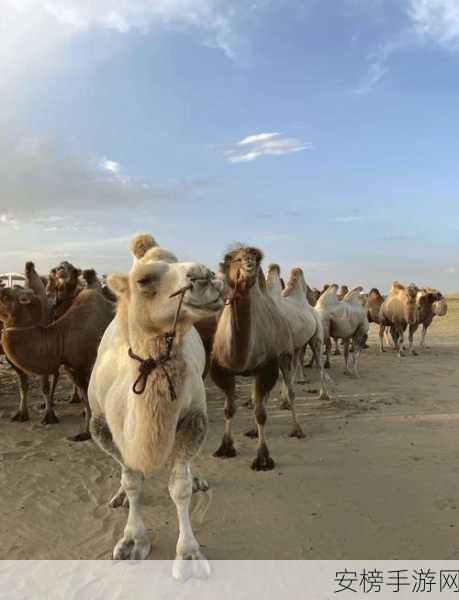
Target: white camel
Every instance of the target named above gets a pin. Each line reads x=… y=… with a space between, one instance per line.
x=305 y=323
x=147 y=394
x=347 y=320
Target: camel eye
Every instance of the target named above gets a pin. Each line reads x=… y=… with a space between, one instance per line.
x=145 y=280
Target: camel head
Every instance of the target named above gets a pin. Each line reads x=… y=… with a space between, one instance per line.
x=410 y=303
x=90 y=277
x=20 y=305
x=145 y=295
x=241 y=268
x=432 y=300
x=67 y=275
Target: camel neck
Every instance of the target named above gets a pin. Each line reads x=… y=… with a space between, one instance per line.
x=232 y=339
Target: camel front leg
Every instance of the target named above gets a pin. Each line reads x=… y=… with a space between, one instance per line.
x=135 y=543
x=423 y=336
x=382 y=331
x=316 y=347
x=412 y=330
x=50 y=416
x=85 y=434
x=226 y=382
x=22 y=414
x=347 y=358
x=189 y=560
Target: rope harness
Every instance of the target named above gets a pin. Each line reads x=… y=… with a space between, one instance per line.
x=148 y=365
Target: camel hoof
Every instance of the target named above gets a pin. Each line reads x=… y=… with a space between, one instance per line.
x=190 y=564
x=75 y=399
x=248 y=404
x=327 y=364
x=297 y=432
x=226 y=450
x=262 y=463
x=337 y=353
x=132 y=549
x=119 y=499
x=252 y=433
x=285 y=405
x=21 y=417
x=50 y=419
x=199 y=485
x=414 y=353
x=83 y=436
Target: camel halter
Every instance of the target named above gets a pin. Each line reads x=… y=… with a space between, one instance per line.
x=148 y=365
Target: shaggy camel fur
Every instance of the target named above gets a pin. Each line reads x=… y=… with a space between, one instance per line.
x=25 y=317
x=430 y=303
x=373 y=305
x=144 y=420
x=397 y=312
x=253 y=339
x=303 y=320
x=71 y=341
x=346 y=320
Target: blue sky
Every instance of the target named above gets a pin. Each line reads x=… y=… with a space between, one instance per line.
x=325 y=132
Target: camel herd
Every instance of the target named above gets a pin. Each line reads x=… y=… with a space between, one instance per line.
x=138 y=349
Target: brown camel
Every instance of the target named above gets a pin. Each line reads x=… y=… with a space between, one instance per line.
x=373 y=305
x=397 y=312
x=253 y=339
x=68 y=286
x=71 y=341
x=430 y=303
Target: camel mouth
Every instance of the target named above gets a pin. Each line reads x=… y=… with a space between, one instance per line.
x=213 y=305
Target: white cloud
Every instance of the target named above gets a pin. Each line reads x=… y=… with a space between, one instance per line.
x=437 y=20
x=44 y=182
x=262 y=144
x=216 y=21
x=110 y=165
x=259 y=137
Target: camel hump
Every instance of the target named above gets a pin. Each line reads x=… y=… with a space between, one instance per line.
x=397 y=286
x=157 y=253
x=295 y=281
x=141 y=243
x=374 y=293
x=354 y=295
x=273 y=268
x=329 y=297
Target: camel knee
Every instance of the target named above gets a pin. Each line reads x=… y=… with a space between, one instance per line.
x=191 y=433
x=260 y=415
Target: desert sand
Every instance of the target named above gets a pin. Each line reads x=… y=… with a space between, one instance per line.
x=375 y=478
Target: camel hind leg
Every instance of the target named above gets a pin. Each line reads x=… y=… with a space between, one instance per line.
x=316 y=347
x=189 y=561
x=50 y=416
x=287 y=370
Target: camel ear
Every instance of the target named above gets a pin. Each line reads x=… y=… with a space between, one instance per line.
x=119 y=284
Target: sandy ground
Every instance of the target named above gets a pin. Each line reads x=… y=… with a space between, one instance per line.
x=377 y=476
